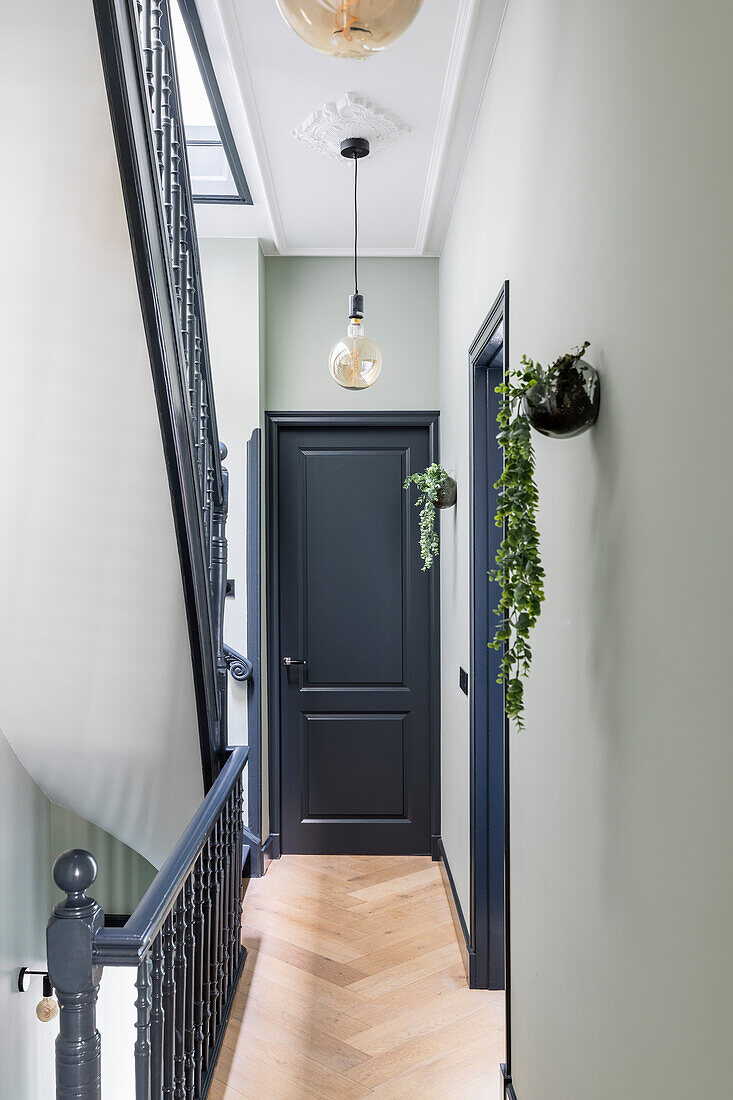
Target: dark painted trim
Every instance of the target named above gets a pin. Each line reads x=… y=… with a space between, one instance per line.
x=456 y=912
x=130 y=113
x=254 y=648
x=435 y=669
x=274 y=421
x=509 y=1093
x=488 y=732
x=191 y=18
x=435 y=848
x=270 y=850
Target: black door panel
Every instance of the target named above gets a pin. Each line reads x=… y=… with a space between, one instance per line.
x=355 y=605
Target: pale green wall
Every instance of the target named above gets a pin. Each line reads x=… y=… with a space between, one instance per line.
x=598 y=182
x=306 y=308
x=26 y=1046
x=123 y=875
x=33 y=831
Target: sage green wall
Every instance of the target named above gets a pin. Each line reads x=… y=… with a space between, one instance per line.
x=306 y=303
x=33 y=831
x=598 y=182
x=26 y=1045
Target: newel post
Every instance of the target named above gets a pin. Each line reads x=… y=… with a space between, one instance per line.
x=69 y=939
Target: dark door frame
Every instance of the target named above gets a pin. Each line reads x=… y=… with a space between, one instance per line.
x=274 y=422
x=488 y=726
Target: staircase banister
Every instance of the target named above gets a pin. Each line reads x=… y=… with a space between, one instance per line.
x=128 y=945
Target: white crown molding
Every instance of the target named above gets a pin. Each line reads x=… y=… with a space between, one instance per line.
x=348 y=253
x=232 y=34
x=350 y=116
x=452 y=85
x=485 y=39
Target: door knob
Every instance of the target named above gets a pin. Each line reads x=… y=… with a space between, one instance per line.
x=288 y=661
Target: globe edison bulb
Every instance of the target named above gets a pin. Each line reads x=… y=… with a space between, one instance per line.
x=349 y=28
x=355 y=362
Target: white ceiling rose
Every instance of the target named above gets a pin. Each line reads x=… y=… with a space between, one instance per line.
x=350 y=116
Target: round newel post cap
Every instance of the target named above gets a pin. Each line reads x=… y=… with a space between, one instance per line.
x=223 y=450
x=74 y=872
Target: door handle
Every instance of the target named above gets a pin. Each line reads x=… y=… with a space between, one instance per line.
x=288 y=661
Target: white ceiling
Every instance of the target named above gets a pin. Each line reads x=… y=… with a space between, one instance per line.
x=432 y=79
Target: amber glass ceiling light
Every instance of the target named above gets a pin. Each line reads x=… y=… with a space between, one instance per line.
x=355 y=362
x=349 y=28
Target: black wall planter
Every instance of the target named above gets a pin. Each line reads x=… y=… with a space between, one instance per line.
x=566 y=406
x=447 y=494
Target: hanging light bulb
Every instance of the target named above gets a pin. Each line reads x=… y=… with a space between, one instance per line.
x=355 y=361
x=349 y=28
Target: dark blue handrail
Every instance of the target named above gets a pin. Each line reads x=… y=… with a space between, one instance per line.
x=128 y=945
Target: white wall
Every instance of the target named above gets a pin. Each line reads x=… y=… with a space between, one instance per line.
x=96 y=691
x=306 y=308
x=598 y=182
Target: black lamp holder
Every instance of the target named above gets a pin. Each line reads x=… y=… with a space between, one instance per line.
x=24 y=985
x=355 y=148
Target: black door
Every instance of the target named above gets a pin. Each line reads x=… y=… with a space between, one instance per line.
x=354 y=610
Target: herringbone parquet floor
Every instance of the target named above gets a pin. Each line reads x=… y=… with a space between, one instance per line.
x=354 y=986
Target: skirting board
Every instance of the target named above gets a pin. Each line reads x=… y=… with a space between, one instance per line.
x=509 y=1093
x=270 y=850
x=464 y=941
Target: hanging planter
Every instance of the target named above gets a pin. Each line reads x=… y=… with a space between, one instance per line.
x=437 y=489
x=561 y=401
x=565 y=399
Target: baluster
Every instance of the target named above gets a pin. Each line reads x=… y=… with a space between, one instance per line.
x=179 y=1058
x=183 y=259
x=157 y=82
x=220 y=921
x=176 y=209
x=214 y=933
x=147 y=45
x=169 y=1005
x=240 y=854
x=167 y=177
x=156 y=1021
x=233 y=845
x=190 y=991
x=191 y=322
x=142 y=1025
x=198 y=971
x=226 y=907
x=208 y=922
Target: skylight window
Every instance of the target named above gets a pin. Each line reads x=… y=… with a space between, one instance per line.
x=216 y=171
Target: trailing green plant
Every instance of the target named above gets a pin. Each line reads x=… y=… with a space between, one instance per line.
x=429 y=484
x=519 y=569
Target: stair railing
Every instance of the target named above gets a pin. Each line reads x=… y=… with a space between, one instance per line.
x=184 y=942
x=139 y=64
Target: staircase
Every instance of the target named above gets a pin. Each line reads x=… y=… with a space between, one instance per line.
x=114 y=579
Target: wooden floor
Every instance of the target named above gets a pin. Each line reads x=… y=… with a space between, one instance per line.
x=354 y=986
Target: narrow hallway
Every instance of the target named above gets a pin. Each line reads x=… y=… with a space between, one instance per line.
x=354 y=986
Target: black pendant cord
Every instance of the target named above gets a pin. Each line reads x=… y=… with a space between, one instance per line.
x=356 y=225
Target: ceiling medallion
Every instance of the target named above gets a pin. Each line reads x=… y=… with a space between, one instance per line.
x=350 y=116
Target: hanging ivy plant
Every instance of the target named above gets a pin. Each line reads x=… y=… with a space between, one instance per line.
x=519 y=569
x=429 y=484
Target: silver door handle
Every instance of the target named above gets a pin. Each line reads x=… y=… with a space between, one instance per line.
x=288 y=661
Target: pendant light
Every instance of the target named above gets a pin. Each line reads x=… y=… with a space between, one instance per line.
x=355 y=361
x=349 y=28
